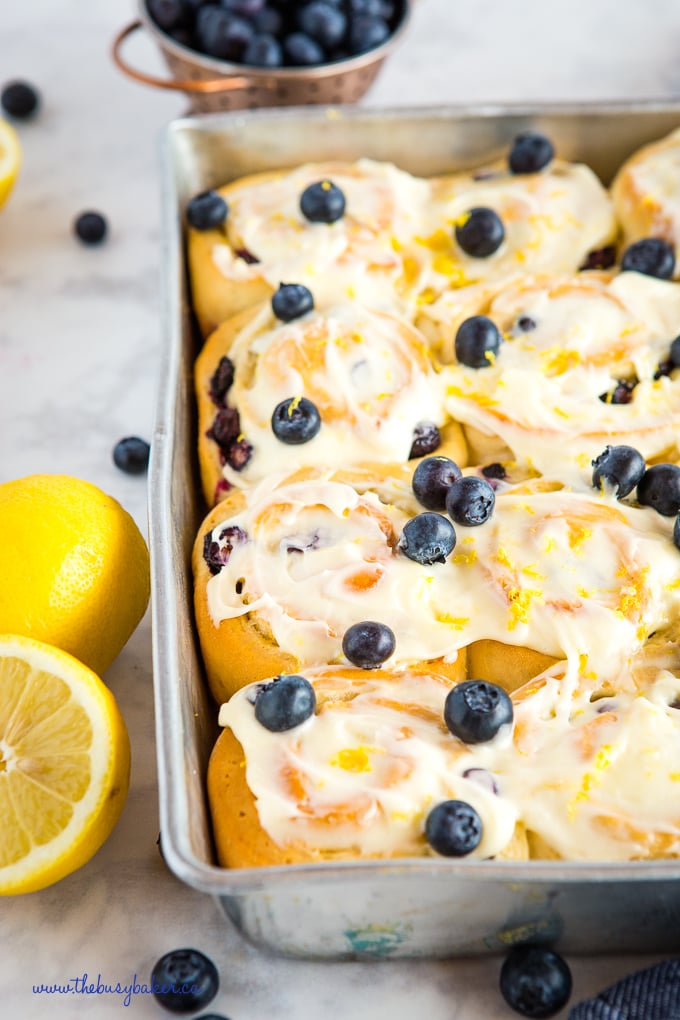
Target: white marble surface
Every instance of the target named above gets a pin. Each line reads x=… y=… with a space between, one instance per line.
x=79 y=347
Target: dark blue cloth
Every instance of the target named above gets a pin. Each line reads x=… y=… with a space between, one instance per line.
x=652 y=994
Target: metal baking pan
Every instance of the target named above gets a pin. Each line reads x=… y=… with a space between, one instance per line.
x=408 y=908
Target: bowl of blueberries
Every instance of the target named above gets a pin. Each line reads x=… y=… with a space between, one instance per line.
x=238 y=54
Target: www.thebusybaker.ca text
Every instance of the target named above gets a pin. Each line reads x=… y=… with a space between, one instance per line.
x=84 y=986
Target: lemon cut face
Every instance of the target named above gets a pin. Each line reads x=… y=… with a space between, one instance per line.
x=64 y=764
x=10 y=159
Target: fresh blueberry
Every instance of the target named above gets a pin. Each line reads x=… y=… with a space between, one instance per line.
x=244 y=8
x=453 y=828
x=302 y=51
x=19 y=99
x=269 y=22
x=478 y=341
x=426 y=439
x=296 y=421
x=676 y=532
x=622 y=467
x=216 y=551
x=475 y=710
x=651 y=256
x=323 y=22
x=432 y=479
x=530 y=152
x=284 y=702
x=427 y=538
x=207 y=211
x=368 y=644
x=184 y=980
x=535 y=981
x=291 y=301
x=365 y=33
x=481 y=234
x=167 y=14
x=90 y=227
x=675 y=352
x=322 y=202
x=263 y=51
x=659 y=487
x=131 y=455
x=470 y=501
x=221 y=380
x=222 y=35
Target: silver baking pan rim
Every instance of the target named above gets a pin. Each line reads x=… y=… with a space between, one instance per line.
x=184 y=721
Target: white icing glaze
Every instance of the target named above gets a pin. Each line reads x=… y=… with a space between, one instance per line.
x=552 y=220
x=541 y=395
x=593 y=779
x=371 y=767
x=568 y=573
x=368 y=373
x=357 y=256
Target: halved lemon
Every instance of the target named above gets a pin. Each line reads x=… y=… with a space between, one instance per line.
x=64 y=764
x=10 y=158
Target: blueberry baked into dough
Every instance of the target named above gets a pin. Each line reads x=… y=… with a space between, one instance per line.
x=327 y=388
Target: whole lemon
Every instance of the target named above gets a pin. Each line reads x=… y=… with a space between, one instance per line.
x=10 y=158
x=74 y=567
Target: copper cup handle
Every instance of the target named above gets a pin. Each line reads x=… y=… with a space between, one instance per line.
x=224 y=84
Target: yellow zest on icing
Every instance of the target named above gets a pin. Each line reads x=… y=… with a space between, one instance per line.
x=354 y=759
x=591 y=779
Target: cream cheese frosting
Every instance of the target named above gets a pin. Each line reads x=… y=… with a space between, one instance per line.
x=552 y=220
x=588 y=779
x=369 y=374
x=357 y=256
x=572 y=574
x=568 y=342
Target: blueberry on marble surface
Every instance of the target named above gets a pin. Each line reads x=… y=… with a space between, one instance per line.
x=453 y=828
x=535 y=981
x=184 y=980
x=131 y=455
x=621 y=467
x=19 y=99
x=530 y=152
x=90 y=227
x=475 y=710
x=207 y=211
x=284 y=703
x=368 y=644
